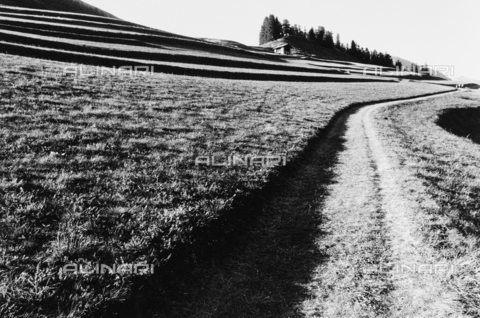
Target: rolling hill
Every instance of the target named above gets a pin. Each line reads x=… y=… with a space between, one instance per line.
x=405 y=63
x=465 y=80
x=106 y=41
x=73 y=6
x=408 y=64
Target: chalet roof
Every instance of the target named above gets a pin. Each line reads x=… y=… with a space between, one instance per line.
x=281 y=45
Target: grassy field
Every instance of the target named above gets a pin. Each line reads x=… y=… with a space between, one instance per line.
x=101 y=169
x=438 y=143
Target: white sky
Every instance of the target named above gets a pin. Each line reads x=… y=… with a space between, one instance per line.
x=438 y=32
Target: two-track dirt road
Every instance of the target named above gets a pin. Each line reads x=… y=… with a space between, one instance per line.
x=338 y=240
x=376 y=257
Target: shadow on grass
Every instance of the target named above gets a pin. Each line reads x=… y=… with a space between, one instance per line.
x=463 y=122
x=261 y=269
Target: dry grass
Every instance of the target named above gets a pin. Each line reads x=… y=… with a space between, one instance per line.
x=448 y=193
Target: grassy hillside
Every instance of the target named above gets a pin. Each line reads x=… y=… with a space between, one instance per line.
x=73 y=6
x=101 y=169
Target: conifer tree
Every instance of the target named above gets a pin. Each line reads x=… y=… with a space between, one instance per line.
x=311 y=34
x=320 y=34
x=286 y=27
x=328 y=40
x=263 y=32
x=338 y=44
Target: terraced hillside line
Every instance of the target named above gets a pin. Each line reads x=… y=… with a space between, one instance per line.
x=370 y=237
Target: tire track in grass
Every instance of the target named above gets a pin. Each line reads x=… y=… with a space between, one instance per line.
x=417 y=293
x=370 y=235
x=351 y=283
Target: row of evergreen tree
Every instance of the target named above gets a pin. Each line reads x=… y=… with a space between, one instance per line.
x=272 y=29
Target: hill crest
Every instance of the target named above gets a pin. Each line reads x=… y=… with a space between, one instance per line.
x=73 y=6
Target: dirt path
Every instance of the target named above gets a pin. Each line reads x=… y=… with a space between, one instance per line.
x=330 y=243
x=378 y=264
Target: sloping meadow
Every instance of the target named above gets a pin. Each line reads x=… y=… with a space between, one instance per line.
x=106 y=169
